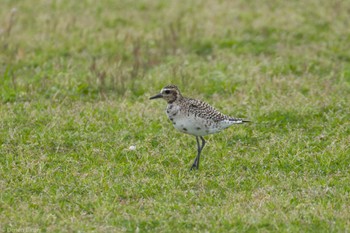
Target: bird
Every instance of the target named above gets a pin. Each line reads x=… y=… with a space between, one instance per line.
x=194 y=117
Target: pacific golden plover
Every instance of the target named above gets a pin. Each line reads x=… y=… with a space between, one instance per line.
x=194 y=117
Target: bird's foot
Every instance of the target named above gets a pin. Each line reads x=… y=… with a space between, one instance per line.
x=194 y=167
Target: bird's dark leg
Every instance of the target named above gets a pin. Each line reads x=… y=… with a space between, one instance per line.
x=195 y=164
x=196 y=161
x=203 y=143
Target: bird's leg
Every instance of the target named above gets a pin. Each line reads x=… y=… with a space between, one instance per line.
x=203 y=143
x=195 y=164
x=196 y=161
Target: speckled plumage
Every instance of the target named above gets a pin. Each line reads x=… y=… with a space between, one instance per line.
x=193 y=116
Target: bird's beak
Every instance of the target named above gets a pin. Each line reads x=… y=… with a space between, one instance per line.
x=156 y=96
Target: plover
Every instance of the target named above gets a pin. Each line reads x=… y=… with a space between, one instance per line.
x=194 y=117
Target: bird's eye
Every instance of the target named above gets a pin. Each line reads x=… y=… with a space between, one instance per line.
x=167 y=92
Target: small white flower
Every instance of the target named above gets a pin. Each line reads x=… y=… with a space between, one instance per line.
x=132 y=147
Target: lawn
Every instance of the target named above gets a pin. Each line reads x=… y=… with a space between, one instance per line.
x=75 y=82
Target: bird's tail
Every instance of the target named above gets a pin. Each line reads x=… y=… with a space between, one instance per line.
x=238 y=120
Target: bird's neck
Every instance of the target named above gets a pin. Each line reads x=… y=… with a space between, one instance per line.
x=177 y=99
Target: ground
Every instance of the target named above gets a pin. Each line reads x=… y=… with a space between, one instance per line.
x=84 y=150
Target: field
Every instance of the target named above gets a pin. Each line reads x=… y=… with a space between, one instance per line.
x=75 y=82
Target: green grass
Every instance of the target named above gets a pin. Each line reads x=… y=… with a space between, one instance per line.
x=75 y=78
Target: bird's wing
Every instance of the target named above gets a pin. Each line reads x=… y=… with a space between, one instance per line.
x=204 y=110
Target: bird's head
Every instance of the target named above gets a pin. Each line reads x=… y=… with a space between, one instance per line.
x=169 y=93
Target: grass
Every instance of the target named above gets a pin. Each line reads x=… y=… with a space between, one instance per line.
x=75 y=78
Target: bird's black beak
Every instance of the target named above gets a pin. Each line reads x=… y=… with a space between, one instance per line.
x=156 y=96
